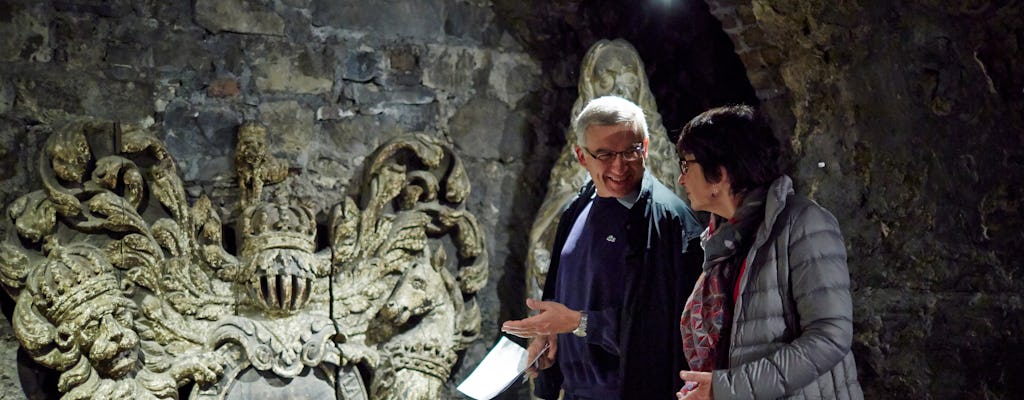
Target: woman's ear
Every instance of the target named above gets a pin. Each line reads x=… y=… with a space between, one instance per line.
x=724 y=178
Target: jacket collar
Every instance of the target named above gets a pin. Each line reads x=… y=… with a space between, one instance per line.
x=778 y=192
x=775 y=202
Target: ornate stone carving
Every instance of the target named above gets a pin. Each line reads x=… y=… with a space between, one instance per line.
x=129 y=292
x=608 y=68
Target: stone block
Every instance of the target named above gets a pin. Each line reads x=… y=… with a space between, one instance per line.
x=333 y=112
x=40 y=93
x=450 y=68
x=729 y=21
x=101 y=8
x=238 y=16
x=468 y=21
x=290 y=128
x=746 y=14
x=26 y=36
x=413 y=117
x=10 y=384
x=362 y=65
x=753 y=34
x=365 y=96
x=181 y=50
x=423 y=19
x=8 y=153
x=76 y=39
x=286 y=68
x=223 y=87
x=772 y=56
x=202 y=139
x=347 y=144
x=6 y=96
x=403 y=60
x=371 y=96
x=487 y=128
x=77 y=92
x=403 y=65
x=129 y=55
x=512 y=76
x=752 y=59
x=119 y=100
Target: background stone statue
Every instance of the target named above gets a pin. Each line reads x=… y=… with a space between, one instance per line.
x=608 y=68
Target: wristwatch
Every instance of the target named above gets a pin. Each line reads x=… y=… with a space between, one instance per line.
x=581 y=330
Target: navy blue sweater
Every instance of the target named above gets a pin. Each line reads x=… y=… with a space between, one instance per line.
x=662 y=262
x=592 y=266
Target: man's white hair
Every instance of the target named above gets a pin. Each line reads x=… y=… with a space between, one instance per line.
x=609 y=110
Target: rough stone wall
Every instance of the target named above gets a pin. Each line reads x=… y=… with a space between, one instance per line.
x=905 y=120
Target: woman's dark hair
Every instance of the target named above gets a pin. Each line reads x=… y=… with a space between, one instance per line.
x=737 y=138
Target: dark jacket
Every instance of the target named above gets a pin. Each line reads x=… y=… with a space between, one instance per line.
x=663 y=263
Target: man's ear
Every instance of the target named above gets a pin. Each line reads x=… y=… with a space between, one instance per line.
x=646 y=142
x=579 y=156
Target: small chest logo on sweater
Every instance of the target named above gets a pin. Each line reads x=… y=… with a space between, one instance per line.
x=610 y=238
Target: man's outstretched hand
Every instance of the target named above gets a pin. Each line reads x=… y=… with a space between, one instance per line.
x=552 y=318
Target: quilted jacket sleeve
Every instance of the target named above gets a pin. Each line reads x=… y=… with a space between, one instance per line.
x=818 y=289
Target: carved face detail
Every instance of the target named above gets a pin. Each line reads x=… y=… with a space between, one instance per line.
x=418 y=292
x=616 y=74
x=252 y=143
x=103 y=332
x=76 y=292
x=69 y=156
x=279 y=255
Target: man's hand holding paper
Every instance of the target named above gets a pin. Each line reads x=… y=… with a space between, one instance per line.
x=541 y=354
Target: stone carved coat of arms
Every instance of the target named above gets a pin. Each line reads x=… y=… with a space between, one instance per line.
x=127 y=291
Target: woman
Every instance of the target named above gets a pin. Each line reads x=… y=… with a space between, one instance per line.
x=771 y=316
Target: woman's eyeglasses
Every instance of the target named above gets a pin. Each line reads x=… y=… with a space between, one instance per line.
x=684 y=164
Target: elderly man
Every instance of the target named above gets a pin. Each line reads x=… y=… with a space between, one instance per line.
x=626 y=255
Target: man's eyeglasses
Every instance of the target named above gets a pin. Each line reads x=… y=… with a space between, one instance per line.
x=684 y=164
x=632 y=154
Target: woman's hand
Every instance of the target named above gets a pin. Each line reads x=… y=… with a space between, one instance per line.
x=697 y=387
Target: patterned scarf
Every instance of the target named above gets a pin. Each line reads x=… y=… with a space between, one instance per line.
x=707 y=318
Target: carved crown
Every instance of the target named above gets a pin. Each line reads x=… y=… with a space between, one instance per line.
x=71 y=277
x=268 y=226
x=278 y=252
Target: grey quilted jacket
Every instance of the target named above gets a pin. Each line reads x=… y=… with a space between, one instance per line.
x=792 y=327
